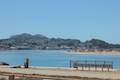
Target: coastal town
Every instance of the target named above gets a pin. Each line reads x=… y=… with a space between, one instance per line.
x=27 y=41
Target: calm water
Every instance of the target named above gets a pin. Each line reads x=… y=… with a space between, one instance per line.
x=50 y=58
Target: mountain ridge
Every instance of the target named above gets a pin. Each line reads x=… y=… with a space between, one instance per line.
x=39 y=41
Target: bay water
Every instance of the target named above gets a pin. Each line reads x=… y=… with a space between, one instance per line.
x=51 y=58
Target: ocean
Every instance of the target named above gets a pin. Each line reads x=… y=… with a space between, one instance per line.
x=52 y=58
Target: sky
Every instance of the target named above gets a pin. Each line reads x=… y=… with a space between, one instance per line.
x=78 y=19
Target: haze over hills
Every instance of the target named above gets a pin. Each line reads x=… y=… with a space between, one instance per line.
x=38 y=41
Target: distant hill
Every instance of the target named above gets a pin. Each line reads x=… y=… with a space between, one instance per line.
x=96 y=43
x=28 y=41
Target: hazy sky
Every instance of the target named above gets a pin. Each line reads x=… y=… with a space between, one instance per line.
x=80 y=19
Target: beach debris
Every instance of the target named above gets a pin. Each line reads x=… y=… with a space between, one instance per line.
x=3 y=63
x=17 y=66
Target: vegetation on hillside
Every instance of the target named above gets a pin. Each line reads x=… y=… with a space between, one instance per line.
x=28 y=41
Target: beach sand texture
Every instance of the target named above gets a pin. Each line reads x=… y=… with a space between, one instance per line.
x=63 y=72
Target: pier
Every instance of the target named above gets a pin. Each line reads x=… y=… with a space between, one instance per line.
x=97 y=65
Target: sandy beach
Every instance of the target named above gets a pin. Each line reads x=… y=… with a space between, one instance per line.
x=95 y=52
x=62 y=72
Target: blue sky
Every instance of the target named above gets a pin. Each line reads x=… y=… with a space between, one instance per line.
x=80 y=19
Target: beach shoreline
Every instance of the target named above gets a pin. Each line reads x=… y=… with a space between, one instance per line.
x=94 y=52
x=63 y=72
